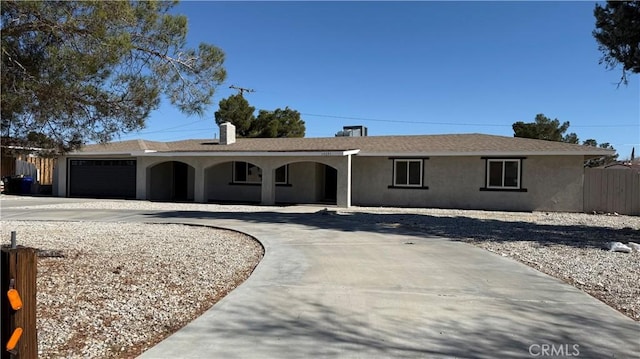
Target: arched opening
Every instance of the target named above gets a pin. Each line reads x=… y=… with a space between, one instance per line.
x=306 y=182
x=233 y=182
x=171 y=181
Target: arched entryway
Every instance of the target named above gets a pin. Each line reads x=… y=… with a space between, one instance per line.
x=171 y=181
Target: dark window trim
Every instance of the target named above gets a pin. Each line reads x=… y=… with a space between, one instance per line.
x=409 y=158
x=408 y=187
x=244 y=183
x=258 y=184
x=485 y=189
x=503 y=158
x=506 y=189
x=246 y=168
x=286 y=174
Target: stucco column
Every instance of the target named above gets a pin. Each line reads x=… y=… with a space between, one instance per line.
x=344 y=183
x=141 y=178
x=198 y=190
x=268 y=186
x=61 y=183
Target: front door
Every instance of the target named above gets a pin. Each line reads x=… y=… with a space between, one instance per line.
x=180 y=181
x=330 y=184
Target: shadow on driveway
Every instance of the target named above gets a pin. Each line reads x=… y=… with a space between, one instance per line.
x=456 y=228
x=320 y=331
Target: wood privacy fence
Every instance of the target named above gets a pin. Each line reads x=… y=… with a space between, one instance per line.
x=8 y=166
x=44 y=167
x=612 y=190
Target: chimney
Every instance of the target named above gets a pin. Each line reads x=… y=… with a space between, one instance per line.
x=227 y=133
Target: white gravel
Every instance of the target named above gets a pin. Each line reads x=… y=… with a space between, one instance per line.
x=123 y=287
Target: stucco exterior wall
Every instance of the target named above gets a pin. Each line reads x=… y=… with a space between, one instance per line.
x=218 y=187
x=160 y=181
x=211 y=177
x=305 y=184
x=553 y=183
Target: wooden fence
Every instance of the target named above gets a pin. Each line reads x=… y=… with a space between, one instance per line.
x=8 y=164
x=43 y=165
x=612 y=190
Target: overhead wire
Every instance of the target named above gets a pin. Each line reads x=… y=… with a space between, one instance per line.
x=446 y=123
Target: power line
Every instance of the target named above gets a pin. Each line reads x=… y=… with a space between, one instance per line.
x=403 y=121
x=448 y=123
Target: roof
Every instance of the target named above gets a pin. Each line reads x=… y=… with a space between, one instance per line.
x=416 y=145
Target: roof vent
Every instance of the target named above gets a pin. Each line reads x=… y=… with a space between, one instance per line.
x=227 y=133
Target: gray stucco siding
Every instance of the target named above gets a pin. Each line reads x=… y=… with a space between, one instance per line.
x=304 y=184
x=160 y=182
x=218 y=186
x=552 y=183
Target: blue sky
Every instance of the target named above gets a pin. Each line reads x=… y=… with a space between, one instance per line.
x=412 y=68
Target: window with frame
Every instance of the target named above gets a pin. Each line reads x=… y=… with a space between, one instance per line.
x=245 y=172
x=503 y=174
x=407 y=172
x=282 y=175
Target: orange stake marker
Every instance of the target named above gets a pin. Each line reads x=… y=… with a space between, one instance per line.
x=13 y=341
x=14 y=299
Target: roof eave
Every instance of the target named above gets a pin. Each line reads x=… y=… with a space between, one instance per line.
x=254 y=154
x=481 y=153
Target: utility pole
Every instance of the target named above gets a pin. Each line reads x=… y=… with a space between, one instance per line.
x=241 y=89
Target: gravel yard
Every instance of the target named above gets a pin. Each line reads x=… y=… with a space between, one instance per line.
x=122 y=287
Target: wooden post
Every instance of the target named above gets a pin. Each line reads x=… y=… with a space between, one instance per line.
x=19 y=273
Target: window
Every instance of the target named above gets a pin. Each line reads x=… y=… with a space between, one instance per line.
x=282 y=174
x=245 y=172
x=103 y=162
x=503 y=173
x=407 y=173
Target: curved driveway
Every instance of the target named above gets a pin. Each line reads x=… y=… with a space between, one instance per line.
x=329 y=287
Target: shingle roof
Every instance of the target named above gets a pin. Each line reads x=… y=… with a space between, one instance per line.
x=459 y=144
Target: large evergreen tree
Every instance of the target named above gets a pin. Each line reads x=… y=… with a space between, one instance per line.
x=543 y=128
x=87 y=71
x=278 y=123
x=236 y=109
x=618 y=35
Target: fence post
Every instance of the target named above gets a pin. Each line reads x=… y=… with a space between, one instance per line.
x=18 y=273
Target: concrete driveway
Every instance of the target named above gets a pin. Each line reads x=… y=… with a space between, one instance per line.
x=329 y=287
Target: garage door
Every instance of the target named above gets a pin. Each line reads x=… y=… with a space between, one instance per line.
x=102 y=178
